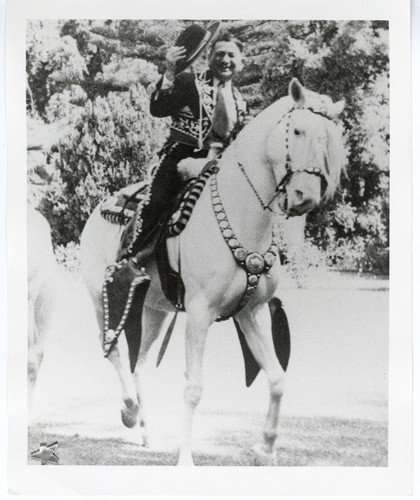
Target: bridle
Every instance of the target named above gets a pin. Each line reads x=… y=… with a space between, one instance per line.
x=281 y=185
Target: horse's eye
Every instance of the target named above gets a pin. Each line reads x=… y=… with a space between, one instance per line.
x=297 y=132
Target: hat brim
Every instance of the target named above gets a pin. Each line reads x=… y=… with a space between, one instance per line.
x=208 y=37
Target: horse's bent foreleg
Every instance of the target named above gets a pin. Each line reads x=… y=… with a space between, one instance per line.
x=152 y=324
x=198 y=323
x=130 y=408
x=260 y=341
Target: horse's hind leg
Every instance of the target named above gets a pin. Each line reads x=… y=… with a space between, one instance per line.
x=35 y=351
x=152 y=324
x=259 y=338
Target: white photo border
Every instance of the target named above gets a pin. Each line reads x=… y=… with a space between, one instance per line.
x=225 y=481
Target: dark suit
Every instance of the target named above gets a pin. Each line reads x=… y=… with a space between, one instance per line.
x=191 y=122
x=190 y=103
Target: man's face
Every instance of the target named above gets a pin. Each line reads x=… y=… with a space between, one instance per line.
x=225 y=60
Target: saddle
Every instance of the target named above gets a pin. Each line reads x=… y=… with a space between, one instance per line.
x=120 y=207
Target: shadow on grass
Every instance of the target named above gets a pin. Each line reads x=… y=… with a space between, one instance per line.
x=302 y=442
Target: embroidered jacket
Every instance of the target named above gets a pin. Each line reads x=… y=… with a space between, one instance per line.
x=191 y=102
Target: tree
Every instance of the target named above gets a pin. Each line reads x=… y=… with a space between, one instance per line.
x=80 y=71
x=347 y=60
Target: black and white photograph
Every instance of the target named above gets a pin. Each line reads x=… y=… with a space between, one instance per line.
x=208 y=247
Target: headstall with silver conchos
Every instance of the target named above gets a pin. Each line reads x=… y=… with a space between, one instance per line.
x=281 y=186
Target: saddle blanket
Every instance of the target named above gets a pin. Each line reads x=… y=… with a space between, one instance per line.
x=120 y=207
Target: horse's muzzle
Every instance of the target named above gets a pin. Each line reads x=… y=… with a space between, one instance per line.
x=301 y=194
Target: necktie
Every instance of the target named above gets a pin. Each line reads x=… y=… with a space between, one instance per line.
x=223 y=119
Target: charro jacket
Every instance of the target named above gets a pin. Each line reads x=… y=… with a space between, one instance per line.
x=191 y=102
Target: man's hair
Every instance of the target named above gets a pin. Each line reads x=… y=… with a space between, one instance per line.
x=225 y=36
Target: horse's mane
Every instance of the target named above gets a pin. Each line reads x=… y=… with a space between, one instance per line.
x=334 y=156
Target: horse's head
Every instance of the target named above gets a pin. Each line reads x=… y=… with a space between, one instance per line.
x=305 y=150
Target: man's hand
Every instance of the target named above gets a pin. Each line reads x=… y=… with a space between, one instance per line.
x=191 y=167
x=173 y=55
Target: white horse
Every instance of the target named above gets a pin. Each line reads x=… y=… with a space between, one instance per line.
x=42 y=275
x=289 y=158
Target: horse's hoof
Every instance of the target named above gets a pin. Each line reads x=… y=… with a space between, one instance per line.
x=263 y=457
x=129 y=413
x=145 y=440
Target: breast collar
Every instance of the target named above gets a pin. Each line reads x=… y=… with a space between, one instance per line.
x=254 y=263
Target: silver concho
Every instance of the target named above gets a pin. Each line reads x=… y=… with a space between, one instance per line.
x=109 y=336
x=240 y=254
x=269 y=259
x=253 y=280
x=233 y=243
x=255 y=263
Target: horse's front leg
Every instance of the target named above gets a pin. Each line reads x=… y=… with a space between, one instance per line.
x=256 y=327
x=198 y=323
x=130 y=408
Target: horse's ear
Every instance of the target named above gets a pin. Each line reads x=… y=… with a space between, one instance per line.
x=337 y=108
x=296 y=91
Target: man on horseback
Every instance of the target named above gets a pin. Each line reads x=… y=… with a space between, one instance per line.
x=207 y=113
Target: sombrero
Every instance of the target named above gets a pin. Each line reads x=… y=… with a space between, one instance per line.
x=194 y=39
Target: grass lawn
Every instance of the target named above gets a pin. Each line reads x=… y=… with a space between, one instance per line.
x=303 y=441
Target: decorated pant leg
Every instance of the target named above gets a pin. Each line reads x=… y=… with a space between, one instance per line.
x=152 y=213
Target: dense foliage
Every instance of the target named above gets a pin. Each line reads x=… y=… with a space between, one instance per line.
x=88 y=86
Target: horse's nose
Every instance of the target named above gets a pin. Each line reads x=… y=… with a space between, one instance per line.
x=302 y=198
x=298 y=204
